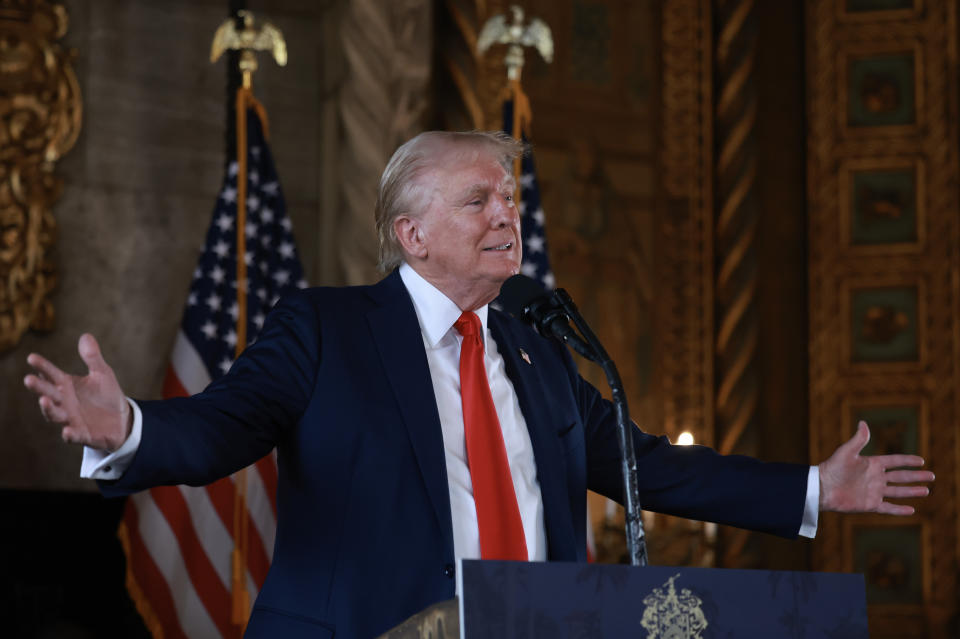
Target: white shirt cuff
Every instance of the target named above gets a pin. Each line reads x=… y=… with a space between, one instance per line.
x=811 y=509
x=99 y=464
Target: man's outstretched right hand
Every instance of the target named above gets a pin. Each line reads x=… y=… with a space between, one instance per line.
x=92 y=409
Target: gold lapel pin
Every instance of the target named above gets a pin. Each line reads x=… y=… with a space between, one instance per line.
x=524 y=356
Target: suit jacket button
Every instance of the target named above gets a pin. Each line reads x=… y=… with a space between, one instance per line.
x=449 y=570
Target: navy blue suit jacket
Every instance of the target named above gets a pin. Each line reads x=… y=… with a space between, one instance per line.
x=338 y=382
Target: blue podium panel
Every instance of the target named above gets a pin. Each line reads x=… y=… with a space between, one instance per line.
x=509 y=599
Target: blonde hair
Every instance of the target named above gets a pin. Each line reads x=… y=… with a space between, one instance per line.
x=400 y=194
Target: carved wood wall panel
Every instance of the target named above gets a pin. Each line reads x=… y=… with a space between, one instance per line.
x=685 y=306
x=40 y=112
x=736 y=216
x=884 y=286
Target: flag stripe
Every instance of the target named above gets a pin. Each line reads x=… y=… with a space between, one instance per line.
x=161 y=545
x=210 y=589
x=172 y=386
x=258 y=563
x=189 y=366
x=267 y=467
x=252 y=587
x=221 y=496
x=261 y=514
x=214 y=537
x=148 y=577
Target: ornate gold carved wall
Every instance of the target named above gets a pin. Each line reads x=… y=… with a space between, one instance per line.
x=40 y=114
x=884 y=274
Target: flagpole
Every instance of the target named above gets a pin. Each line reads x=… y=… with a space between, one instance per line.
x=241 y=598
x=522 y=117
x=245 y=40
x=241 y=522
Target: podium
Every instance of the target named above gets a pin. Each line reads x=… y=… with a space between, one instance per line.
x=521 y=600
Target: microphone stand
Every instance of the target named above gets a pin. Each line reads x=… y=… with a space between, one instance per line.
x=591 y=348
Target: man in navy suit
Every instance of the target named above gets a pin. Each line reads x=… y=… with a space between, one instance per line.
x=359 y=390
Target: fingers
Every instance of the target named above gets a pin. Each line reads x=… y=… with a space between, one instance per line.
x=42 y=386
x=46 y=368
x=71 y=436
x=895 y=509
x=899 y=461
x=908 y=476
x=90 y=354
x=904 y=492
x=859 y=439
x=53 y=412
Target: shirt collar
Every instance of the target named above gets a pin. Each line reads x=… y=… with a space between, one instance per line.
x=436 y=312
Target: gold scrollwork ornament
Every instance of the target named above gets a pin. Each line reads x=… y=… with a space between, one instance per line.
x=40 y=114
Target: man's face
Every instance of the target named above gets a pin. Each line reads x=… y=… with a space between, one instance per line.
x=471 y=226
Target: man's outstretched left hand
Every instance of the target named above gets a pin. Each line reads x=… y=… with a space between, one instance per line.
x=852 y=483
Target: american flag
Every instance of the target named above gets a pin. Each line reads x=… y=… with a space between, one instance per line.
x=536 y=261
x=179 y=539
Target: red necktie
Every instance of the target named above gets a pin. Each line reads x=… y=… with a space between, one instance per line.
x=498 y=516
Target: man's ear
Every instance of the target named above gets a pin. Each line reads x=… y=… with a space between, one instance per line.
x=410 y=233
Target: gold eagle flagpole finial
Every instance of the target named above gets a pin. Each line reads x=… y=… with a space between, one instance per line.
x=516 y=36
x=248 y=39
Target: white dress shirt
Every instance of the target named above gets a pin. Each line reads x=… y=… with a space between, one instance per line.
x=437 y=314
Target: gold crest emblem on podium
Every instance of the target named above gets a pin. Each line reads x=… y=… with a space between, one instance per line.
x=668 y=615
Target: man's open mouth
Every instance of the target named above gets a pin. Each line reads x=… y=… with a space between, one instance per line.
x=502 y=247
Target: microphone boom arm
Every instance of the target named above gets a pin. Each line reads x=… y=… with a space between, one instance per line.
x=590 y=347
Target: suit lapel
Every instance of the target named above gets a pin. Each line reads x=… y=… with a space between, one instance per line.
x=547 y=450
x=399 y=341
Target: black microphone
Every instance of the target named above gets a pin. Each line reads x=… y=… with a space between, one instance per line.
x=525 y=299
